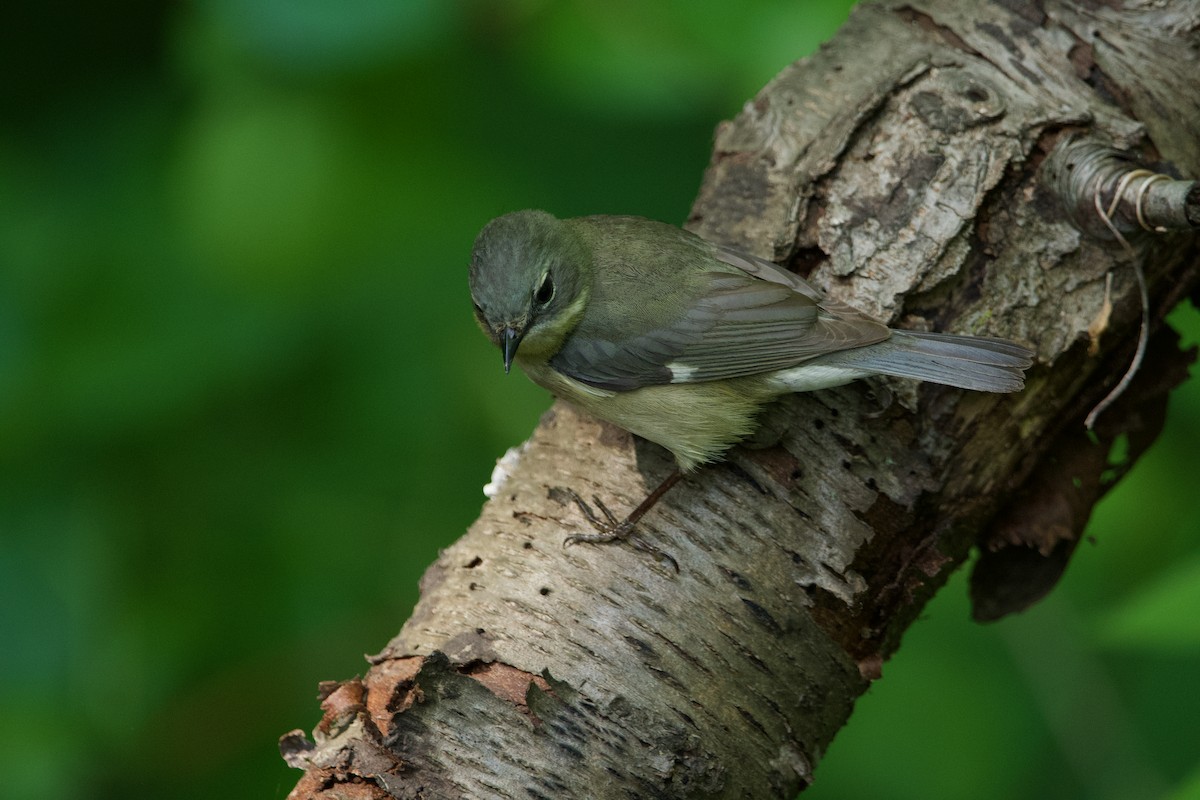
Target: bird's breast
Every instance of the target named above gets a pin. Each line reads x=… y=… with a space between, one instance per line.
x=697 y=422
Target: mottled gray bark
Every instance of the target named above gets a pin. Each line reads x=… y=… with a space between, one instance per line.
x=899 y=167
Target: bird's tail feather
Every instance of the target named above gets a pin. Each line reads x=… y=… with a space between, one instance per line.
x=968 y=362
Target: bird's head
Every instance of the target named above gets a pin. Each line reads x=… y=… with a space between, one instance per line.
x=529 y=277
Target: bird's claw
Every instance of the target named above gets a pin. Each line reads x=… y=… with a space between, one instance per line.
x=610 y=529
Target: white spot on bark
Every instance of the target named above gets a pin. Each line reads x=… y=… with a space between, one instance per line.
x=504 y=466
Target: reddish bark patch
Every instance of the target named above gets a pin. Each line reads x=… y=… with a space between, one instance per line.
x=391 y=689
x=341 y=705
x=324 y=785
x=507 y=683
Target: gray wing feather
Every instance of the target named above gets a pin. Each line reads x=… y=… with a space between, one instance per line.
x=740 y=324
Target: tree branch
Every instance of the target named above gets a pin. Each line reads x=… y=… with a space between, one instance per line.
x=900 y=168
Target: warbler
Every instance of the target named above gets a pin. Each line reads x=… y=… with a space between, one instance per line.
x=683 y=341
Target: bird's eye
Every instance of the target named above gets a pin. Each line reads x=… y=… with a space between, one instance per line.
x=545 y=291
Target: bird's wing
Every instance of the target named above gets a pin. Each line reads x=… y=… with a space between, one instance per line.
x=738 y=323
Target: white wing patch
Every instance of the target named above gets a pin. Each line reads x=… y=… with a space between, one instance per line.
x=680 y=372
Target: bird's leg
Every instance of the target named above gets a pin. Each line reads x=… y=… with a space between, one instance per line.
x=610 y=529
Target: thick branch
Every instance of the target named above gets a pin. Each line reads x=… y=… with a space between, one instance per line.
x=899 y=168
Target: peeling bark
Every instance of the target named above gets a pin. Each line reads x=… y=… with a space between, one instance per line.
x=899 y=167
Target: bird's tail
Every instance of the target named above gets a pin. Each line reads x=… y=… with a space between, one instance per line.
x=968 y=362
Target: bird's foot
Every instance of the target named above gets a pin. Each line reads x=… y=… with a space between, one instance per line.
x=610 y=529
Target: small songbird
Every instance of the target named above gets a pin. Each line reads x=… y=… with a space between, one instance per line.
x=682 y=341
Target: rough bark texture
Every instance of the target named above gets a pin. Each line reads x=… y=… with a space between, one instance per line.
x=899 y=168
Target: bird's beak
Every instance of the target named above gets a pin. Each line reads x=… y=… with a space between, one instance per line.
x=510 y=339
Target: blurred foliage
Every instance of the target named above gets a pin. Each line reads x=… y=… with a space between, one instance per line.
x=243 y=403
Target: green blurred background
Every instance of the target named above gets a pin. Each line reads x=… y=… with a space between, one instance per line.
x=243 y=402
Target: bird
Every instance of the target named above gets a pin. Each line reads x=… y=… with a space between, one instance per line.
x=683 y=341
